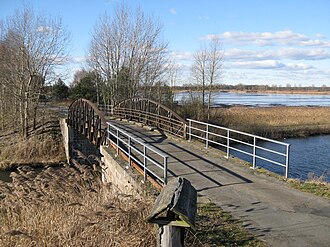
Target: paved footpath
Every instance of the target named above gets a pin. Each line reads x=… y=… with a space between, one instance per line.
x=274 y=212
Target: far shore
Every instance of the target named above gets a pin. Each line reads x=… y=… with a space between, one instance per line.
x=262 y=91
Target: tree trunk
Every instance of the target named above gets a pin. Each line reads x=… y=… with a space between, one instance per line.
x=26 y=115
x=209 y=103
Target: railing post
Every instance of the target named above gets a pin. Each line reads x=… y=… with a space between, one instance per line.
x=165 y=170
x=108 y=134
x=207 y=136
x=117 y=131
x=287 y=161
x=144 y=163
x=254 y=153
x=129 y=151
x=189 y=129
x=228 y=143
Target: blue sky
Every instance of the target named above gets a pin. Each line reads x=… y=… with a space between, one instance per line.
x=264 y=41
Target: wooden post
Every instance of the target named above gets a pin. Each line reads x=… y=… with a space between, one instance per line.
x=174 y=210
x=171 y=236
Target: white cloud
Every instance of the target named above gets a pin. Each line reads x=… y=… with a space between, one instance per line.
x=181 y=56
x=173 y=11
x=203 y=18
x=280 y=38
x=78 y=59
x=282 y=53
x=269 y=65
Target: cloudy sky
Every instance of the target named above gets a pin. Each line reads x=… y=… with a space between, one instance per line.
x=264 y=42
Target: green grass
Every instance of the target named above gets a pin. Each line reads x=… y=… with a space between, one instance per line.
x=215 y=227
x=321 y=189
x=314 y=185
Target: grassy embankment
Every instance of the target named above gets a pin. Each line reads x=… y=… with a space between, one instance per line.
x=70 y=207
x=42 y=147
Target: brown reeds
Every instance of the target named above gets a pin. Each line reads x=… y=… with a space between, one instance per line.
x=275 y=122
x=66 y=207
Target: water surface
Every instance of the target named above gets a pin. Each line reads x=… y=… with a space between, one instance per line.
x=308 y=156
x=253 y=99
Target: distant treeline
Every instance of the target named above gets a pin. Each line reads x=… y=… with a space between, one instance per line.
x=241 y=87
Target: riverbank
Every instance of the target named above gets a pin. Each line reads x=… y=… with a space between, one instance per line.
x=273 y=122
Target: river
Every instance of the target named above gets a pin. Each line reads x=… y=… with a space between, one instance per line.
x=307 y=156
x=254 y=99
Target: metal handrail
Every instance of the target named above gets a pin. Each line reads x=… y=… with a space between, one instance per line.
x=206 y=133
x=126 y=143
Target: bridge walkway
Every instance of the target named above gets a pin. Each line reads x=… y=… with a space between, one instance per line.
x=274 y=212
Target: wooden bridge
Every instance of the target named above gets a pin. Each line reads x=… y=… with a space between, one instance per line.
x=266 y=206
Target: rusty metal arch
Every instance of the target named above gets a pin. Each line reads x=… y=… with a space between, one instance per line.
x=85 y=117
x=151 y=113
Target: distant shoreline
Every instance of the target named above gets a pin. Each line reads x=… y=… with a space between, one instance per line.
x=260 y=91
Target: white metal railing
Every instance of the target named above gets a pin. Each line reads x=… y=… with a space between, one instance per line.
x=206 y=134
x=134 y=148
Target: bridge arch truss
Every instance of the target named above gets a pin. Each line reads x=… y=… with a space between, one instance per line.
x=151 y=113
x=85 y=117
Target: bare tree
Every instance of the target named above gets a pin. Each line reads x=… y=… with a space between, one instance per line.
x=207 y=69
x=199 y=71
x=34 y=46
x=214 y=67
x=128 y=52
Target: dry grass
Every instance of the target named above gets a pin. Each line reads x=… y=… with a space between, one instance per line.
x=37 y=149
x=64 y=207
x=275 y=122
x=314 y=184
x=44 y=144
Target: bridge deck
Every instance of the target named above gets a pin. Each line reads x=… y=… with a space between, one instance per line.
x=268 y=207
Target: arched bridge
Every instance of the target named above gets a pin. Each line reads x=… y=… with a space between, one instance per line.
x=249 y=196
x=150 y=113
x=85 y=117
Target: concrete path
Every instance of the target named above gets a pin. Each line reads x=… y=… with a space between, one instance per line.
x=274 y=212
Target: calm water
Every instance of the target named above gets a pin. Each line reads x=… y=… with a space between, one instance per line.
x=307 y=155
x=221 y=98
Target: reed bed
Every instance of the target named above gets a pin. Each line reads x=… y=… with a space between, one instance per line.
x=67 y=207
x=274 y=122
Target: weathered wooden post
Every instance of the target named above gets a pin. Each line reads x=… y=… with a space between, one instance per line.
x=174 y=210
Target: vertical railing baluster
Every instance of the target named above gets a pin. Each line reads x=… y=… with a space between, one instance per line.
x=207 y=136
x=254 y=153
x=189 y=129
x=117 y=132
x=228 y=143
x=165 y=170
x=129 y=150
x=287 y=161
x=144 y=163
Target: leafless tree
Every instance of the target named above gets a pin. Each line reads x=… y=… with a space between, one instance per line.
x=128 y=52
x=214 y=67
x=207 y=69
x=34 y=46
x=199 y=71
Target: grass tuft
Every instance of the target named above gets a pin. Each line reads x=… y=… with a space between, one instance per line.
x=215 y=227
